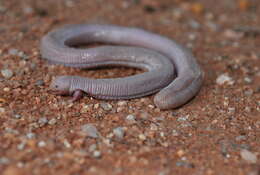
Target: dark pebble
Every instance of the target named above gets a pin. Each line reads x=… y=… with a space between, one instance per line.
x=149 y=9
x=39 y=83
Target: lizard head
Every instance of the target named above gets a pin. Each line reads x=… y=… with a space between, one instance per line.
x=61 y=85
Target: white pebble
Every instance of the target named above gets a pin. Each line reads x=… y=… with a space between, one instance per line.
x=97 y=154
x=67 y=144
x=248 y=156
x=224 y=78
x=2 y=110
x=6 y=89
x=248 y=80
x=130 y=117
x=142 y=137
x=42 y=144
x=52 y=121
x=122 y=103
x=183 y=118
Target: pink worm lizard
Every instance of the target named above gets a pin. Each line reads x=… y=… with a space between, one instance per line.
x=170 y=68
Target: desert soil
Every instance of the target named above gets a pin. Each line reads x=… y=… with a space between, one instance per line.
x=217 y=132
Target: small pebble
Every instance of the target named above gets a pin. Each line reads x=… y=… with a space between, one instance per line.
x=28 y=10
x=248 y=92
x=240 y=138
x=248 y=80
x=142 y=137
x=67 y=144
x=23 y=56
x=184 y=164
x=2 y=110
x=175 y=133
x=4 y=160
x=42 y=144
x=231 y=34
x=213 y=26
x=96 y=106
x=86 y=108
x=130 y=118
x=69 y=3
x=13 y=51
x=106 y=106
x=153 y=127
x=52 y=121
x=119 y=132
x=224 y=78
x=177 y=13
x=39 y=83
x=192 y=36
x=30 y=135
x=248 y=109
x=2 y=9
x=92 y=147
x=42 y=121
x=231 y=110
x=151 y=106
x=248 y=156
x=7 y=73
x=17 y=116
x=6 y=89
x=96 y=154
x=183 y=118
x=90 y=130
x=194 y=24
x=21 y=146
x=180 y=153
x=122 y=103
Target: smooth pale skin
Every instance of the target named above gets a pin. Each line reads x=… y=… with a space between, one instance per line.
x=171 y=68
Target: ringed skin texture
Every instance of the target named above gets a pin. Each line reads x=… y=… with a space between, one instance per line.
x=171 y=69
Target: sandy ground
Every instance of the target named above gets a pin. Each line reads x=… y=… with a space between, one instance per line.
x=218 y=132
